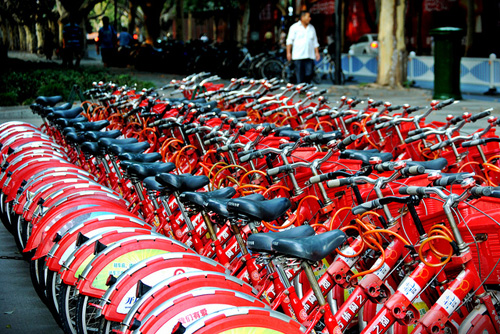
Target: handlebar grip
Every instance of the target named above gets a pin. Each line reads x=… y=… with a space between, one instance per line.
x=412 y=191
x=415 y=132
x=210 y=141
x=318 y=178
x=444 y=103
x=439 y=145
x=376 y=103
x=243 y=129
x=224 y=148
x=243 y=153
x=254 y=155
x=268 y=129
x=413 y=170
x=321 y=92
x=482 y=114
x=366 y=207
x=413 y=109
x=384 y=166
x=277 y=170
x=355 y=102
x=371 y=122
x=393 y=108
x=456 y=119
x=352 y=119
x=313 y=138
x=482 y=191
x=415 y=138
x=268 y=113
x=245 y=158
x=346 y=142
x=339 y=182
x=435 y=147
x=475 y=142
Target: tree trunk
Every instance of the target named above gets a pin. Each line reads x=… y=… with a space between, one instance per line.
x=39 y=37
x=392 y=48
x=14 y=43
x=30 y=38
x=5 y=35
x=132 y=14
x=471 y=25
x=22 y=38
x=244 y=22
x=179 y=20
x=60 y=35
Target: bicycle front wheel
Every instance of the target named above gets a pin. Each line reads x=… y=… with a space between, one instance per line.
x=271 y=68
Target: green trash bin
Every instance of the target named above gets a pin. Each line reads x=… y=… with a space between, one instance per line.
x=447 y=54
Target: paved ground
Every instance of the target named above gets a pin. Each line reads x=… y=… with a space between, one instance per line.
x=22 y=312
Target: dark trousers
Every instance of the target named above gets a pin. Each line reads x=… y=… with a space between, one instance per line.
x=107 y=55
x=304 y=70
x=70 y=53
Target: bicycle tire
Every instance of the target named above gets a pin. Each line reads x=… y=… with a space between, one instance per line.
x=253 y=68
x=271 y=68
x=53 y=287
x=22 y=232
x=86 y=321
x=4 y=215
x=68 y=298
x=36 y=280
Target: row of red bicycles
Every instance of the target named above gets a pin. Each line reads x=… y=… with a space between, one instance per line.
x=255 y=207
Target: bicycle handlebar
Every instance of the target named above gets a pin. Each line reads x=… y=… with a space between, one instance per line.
x=328 y=176
x=477 y=142
x=338 y=182
x=484 y=191
x=384 y=166
x=482 y=114
x=378 y=203
x=444 y=103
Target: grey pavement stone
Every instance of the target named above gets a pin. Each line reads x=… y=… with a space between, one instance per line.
x=21 y=310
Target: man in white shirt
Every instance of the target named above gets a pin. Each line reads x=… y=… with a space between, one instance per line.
x=302 y=47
